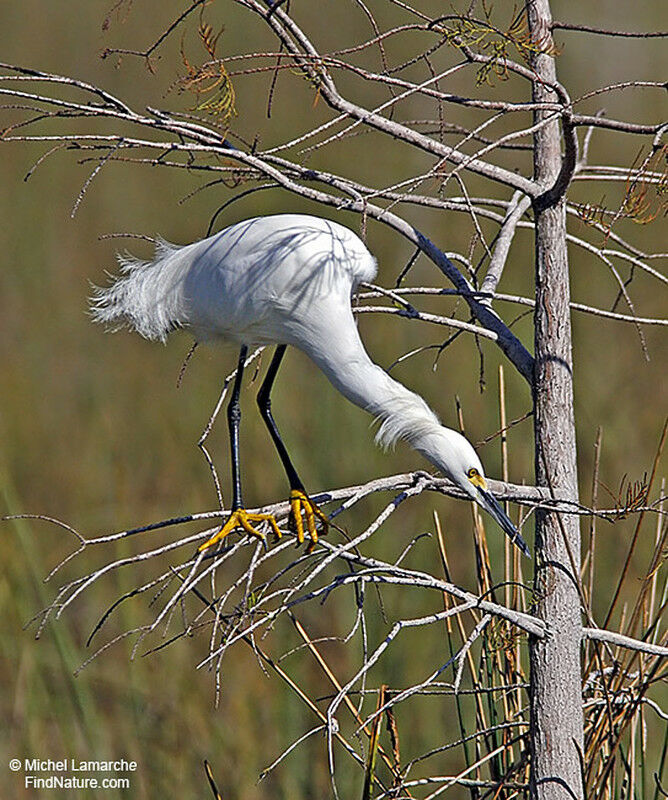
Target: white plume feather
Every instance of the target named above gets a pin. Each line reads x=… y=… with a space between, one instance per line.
x=149 y=296
x=404 y=417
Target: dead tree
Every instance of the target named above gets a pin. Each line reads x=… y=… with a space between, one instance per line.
x=556 y=684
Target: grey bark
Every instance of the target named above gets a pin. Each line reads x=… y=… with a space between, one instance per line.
x=556 y=734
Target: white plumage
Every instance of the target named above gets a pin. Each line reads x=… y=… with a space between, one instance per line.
x=288 y=280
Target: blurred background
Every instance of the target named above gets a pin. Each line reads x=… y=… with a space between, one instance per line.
x=95 y=432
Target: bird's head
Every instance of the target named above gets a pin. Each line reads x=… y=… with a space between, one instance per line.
x=457 y=460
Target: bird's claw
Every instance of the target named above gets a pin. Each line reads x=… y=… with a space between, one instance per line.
x=243 y=519
x=301 y=503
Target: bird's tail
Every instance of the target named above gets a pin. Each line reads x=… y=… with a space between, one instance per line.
x=148 y=297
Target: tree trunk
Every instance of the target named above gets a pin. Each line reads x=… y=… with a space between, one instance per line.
x=556 y=683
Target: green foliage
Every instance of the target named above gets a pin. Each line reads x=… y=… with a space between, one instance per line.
x=496 y=44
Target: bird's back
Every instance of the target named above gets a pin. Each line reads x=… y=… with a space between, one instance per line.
x=250 y=283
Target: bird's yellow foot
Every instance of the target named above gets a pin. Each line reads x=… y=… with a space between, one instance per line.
x=243 y=519
x=301 y=503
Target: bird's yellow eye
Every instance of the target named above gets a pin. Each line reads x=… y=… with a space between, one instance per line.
x=476 y=478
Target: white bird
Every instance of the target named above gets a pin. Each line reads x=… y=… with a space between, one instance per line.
x=287 y=280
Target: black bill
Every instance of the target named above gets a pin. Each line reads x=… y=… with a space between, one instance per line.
x=492 y=506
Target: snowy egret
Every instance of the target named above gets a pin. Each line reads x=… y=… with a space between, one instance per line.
x=287 y=280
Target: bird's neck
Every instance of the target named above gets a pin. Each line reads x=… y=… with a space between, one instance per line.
x=402 y=414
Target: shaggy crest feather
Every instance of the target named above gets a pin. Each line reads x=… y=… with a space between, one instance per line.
x=406 y=418
x=149 y=296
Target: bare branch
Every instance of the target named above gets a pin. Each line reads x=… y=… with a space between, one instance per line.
x=518 y=205
x=611 y=637
x=570 y=26
x=289 y=34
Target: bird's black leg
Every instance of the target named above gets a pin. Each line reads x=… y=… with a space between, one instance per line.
x=264 y=402
x=239 y=517
x=299 y=500
x=233 y=422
